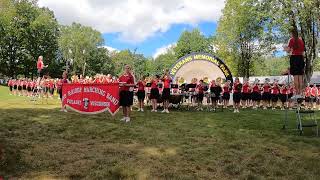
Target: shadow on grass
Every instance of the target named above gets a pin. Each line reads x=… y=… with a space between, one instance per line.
x=11 y=161
x=186 y=145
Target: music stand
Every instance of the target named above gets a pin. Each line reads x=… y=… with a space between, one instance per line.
x=174 y=86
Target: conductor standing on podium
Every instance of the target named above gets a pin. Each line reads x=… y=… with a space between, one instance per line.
x=40 y=65
x=296 y=50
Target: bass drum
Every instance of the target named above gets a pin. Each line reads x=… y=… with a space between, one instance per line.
x=175 y=99
x=160 y=100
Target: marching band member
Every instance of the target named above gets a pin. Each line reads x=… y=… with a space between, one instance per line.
x=141 y=93
x=81 y=79
x=291 y=92
x=275 y=94
x=154 y=94
x=40 y=66
x=10 y=84
x=296 y=49
x=200 y=94
x=256 y=94
x=24 y=87
x=237 y=95
x=314 y=96
x=20 y=84
x=318 y=99
x=131 y=89
x=215 y=90
x=226 y=94
x=266 y=95
x=46 y=87
x=63 y=81
x=166 y=79
x=15 y=87
x=51 y=87
x=284 y=93
x=126 y=80
x=307 y=92
x=29 y=87
x=193 y=92
x=245 y=93
x=109 y=79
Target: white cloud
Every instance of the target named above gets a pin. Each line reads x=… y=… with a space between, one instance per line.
x=134 y=20
x=163 y=50
x=110 y=49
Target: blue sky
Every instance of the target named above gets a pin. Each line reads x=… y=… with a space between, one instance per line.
x=150 y=45
x=148 y=25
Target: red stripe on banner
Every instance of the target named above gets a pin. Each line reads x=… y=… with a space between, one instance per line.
x=91 y=98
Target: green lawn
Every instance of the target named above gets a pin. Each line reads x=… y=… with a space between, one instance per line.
x=40 y=142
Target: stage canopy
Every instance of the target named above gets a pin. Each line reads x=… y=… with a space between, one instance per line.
x=200 y=66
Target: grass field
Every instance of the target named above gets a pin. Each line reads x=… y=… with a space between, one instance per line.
x=40 y=142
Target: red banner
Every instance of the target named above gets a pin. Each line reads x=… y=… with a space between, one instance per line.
x=91 y=98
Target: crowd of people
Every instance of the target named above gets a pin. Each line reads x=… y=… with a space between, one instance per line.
x=161 y=88
x=48 y=86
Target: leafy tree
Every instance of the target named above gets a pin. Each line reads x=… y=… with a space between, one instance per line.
x=164 y=61
x=100 y=62
x=137 y=61
x=77 y=42
x=26 y=33
x=303 y=16
x=190 y=42
x=270 y=66
x=8 y=41
x=239 y=34
x=120 y=59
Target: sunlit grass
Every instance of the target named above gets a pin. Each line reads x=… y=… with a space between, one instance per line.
x=40 y=142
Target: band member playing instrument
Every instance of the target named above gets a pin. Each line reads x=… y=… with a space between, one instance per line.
x=266 y=95
x=81 y=79
x=200 y=94
x=141 y=93
x=246 y=93
x=226 y=94
x=51 y=87
x=237 y=95
x=215 y=89
x=30 y=87
x=275 y=90
x=291 y=92
x=10 y=84
x=256 y=94
x=192 y=91
x=284 y=94
x=45 y=85
x=154 y=94
x=166 y=79
x=126 y=80
x=15 y=87
x=63 y=81
x=20 y=84
x=314 y=96
x=24 y=87
x=307 y=92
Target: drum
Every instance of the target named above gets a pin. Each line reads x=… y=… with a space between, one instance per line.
x=175 y=91
x=175 y=99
